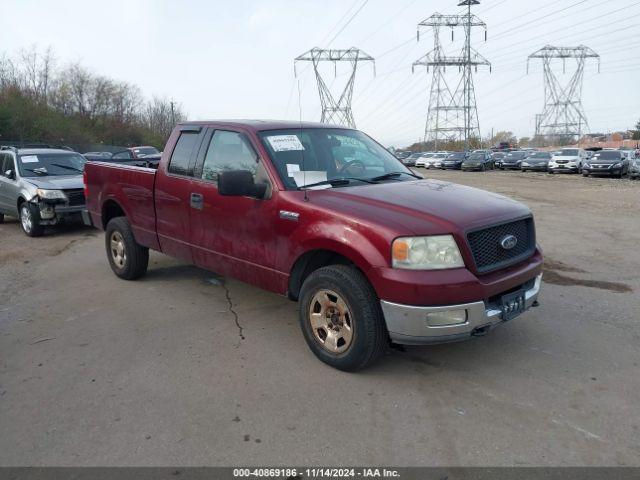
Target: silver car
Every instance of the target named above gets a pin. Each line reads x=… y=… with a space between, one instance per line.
x=40 y=186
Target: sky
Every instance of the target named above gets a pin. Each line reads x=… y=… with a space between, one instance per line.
x=234 y=59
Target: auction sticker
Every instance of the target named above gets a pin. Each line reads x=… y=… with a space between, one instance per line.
x=285 y=143
x=29 y=159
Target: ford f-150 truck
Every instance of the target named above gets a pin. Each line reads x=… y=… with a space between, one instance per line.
x=372 y=252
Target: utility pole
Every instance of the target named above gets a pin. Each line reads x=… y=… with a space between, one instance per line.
x=335 y=111
x=452 y=114
x=173 y=114
x=563 y=117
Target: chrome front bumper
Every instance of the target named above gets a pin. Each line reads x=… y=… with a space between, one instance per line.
x=407 y=324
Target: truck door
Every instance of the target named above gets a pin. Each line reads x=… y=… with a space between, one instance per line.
x=234 y=236
x=173 y=200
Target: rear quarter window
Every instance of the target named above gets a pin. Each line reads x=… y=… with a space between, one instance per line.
x=182 y=153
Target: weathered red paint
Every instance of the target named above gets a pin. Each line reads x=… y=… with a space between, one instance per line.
x=245 y=237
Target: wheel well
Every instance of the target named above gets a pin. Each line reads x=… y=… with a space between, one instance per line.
x=309 y=262
x=110 y=210
x=21 y=200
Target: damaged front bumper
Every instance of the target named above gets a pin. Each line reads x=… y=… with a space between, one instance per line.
x=52 y=213
x=415 y=325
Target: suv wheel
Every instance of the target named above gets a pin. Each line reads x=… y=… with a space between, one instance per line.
x=30 y=220
x=341 y=319
x=127 y=258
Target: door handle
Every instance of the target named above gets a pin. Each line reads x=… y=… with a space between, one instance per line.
x=197 y=201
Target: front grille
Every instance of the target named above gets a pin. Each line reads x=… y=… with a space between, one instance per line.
x=562 y=161
x=76 y=197
x=489 y=255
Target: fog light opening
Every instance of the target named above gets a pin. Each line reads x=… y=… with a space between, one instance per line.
x=447 y=318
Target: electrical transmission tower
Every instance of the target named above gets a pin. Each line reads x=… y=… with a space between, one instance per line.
x=453 y=113
x=563 y=115
x=335 y=111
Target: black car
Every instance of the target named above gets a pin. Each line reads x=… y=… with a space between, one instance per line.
x=606 y=162
x=537 y=161
x=454 y=161
x=513 y=160
x=478 y=161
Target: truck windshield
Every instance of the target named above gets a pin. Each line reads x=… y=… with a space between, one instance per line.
x=308 y=156
x=51 y=164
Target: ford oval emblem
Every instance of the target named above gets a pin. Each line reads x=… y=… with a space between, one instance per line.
x=508 y=242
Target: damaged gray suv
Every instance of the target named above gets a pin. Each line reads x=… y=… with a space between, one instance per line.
x=41 y=186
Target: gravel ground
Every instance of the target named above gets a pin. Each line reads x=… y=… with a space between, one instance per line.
x=98 y=371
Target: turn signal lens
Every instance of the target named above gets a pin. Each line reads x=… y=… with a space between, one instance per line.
x=400 y=250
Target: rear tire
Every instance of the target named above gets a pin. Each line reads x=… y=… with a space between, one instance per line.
x=30 y=220
x=341 y=318
x=127 y=258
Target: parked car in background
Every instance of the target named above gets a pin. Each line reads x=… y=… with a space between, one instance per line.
x=478 y=162
x=607 y=162
x=568 y=160
x=97 y=156
x=513 y=160
x=424 y=158
x=410 y=161
x=454 y=161
x=634 y=169
x=401 y=154
x=41 y=186
x=435 y=160
x=143 y=151
x=537 y=162
x=497 y=158
x=371 y=257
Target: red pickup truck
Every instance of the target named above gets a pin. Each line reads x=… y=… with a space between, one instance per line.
x=372 y=252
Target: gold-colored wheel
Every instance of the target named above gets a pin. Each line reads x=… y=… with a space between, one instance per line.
x=331 y=321
x=118 y=251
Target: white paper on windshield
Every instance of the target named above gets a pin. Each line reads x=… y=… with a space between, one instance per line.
x=285 y=143
x=29 y=159
x=292 y=167
x=307 y=178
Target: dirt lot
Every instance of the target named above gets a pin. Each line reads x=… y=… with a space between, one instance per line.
x=186 y=368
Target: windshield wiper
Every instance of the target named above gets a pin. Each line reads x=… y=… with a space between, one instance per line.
x=336 y=182
x=68 y=167
x=39 y=170
x=393 y=175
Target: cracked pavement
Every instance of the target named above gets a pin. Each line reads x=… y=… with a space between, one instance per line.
x=99 y=371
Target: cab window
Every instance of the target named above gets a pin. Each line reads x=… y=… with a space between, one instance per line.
x=228 y=151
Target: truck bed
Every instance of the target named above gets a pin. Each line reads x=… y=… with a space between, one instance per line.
x=132 y=188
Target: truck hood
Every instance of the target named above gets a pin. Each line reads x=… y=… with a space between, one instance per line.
x=422 y=206
x=58 y=182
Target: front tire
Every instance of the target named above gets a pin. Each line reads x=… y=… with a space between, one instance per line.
x=30 y=220
x=127 y=258
x=341 y=319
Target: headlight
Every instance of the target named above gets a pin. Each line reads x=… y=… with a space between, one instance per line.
x=436 y=252
x=617 y=165
x=586 y=164
x=51 y=194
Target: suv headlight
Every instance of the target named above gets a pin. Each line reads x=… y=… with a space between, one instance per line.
x=617 y=165
x=51 y=194
x=436 y=252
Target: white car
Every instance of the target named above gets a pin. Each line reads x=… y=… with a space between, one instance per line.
x=568 y=160
x=435 y=160
x=422 y=162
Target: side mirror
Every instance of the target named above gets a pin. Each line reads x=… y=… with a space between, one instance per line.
x=239 y=183
x=10 y=174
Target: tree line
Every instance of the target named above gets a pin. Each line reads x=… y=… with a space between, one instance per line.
x=45 y=102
